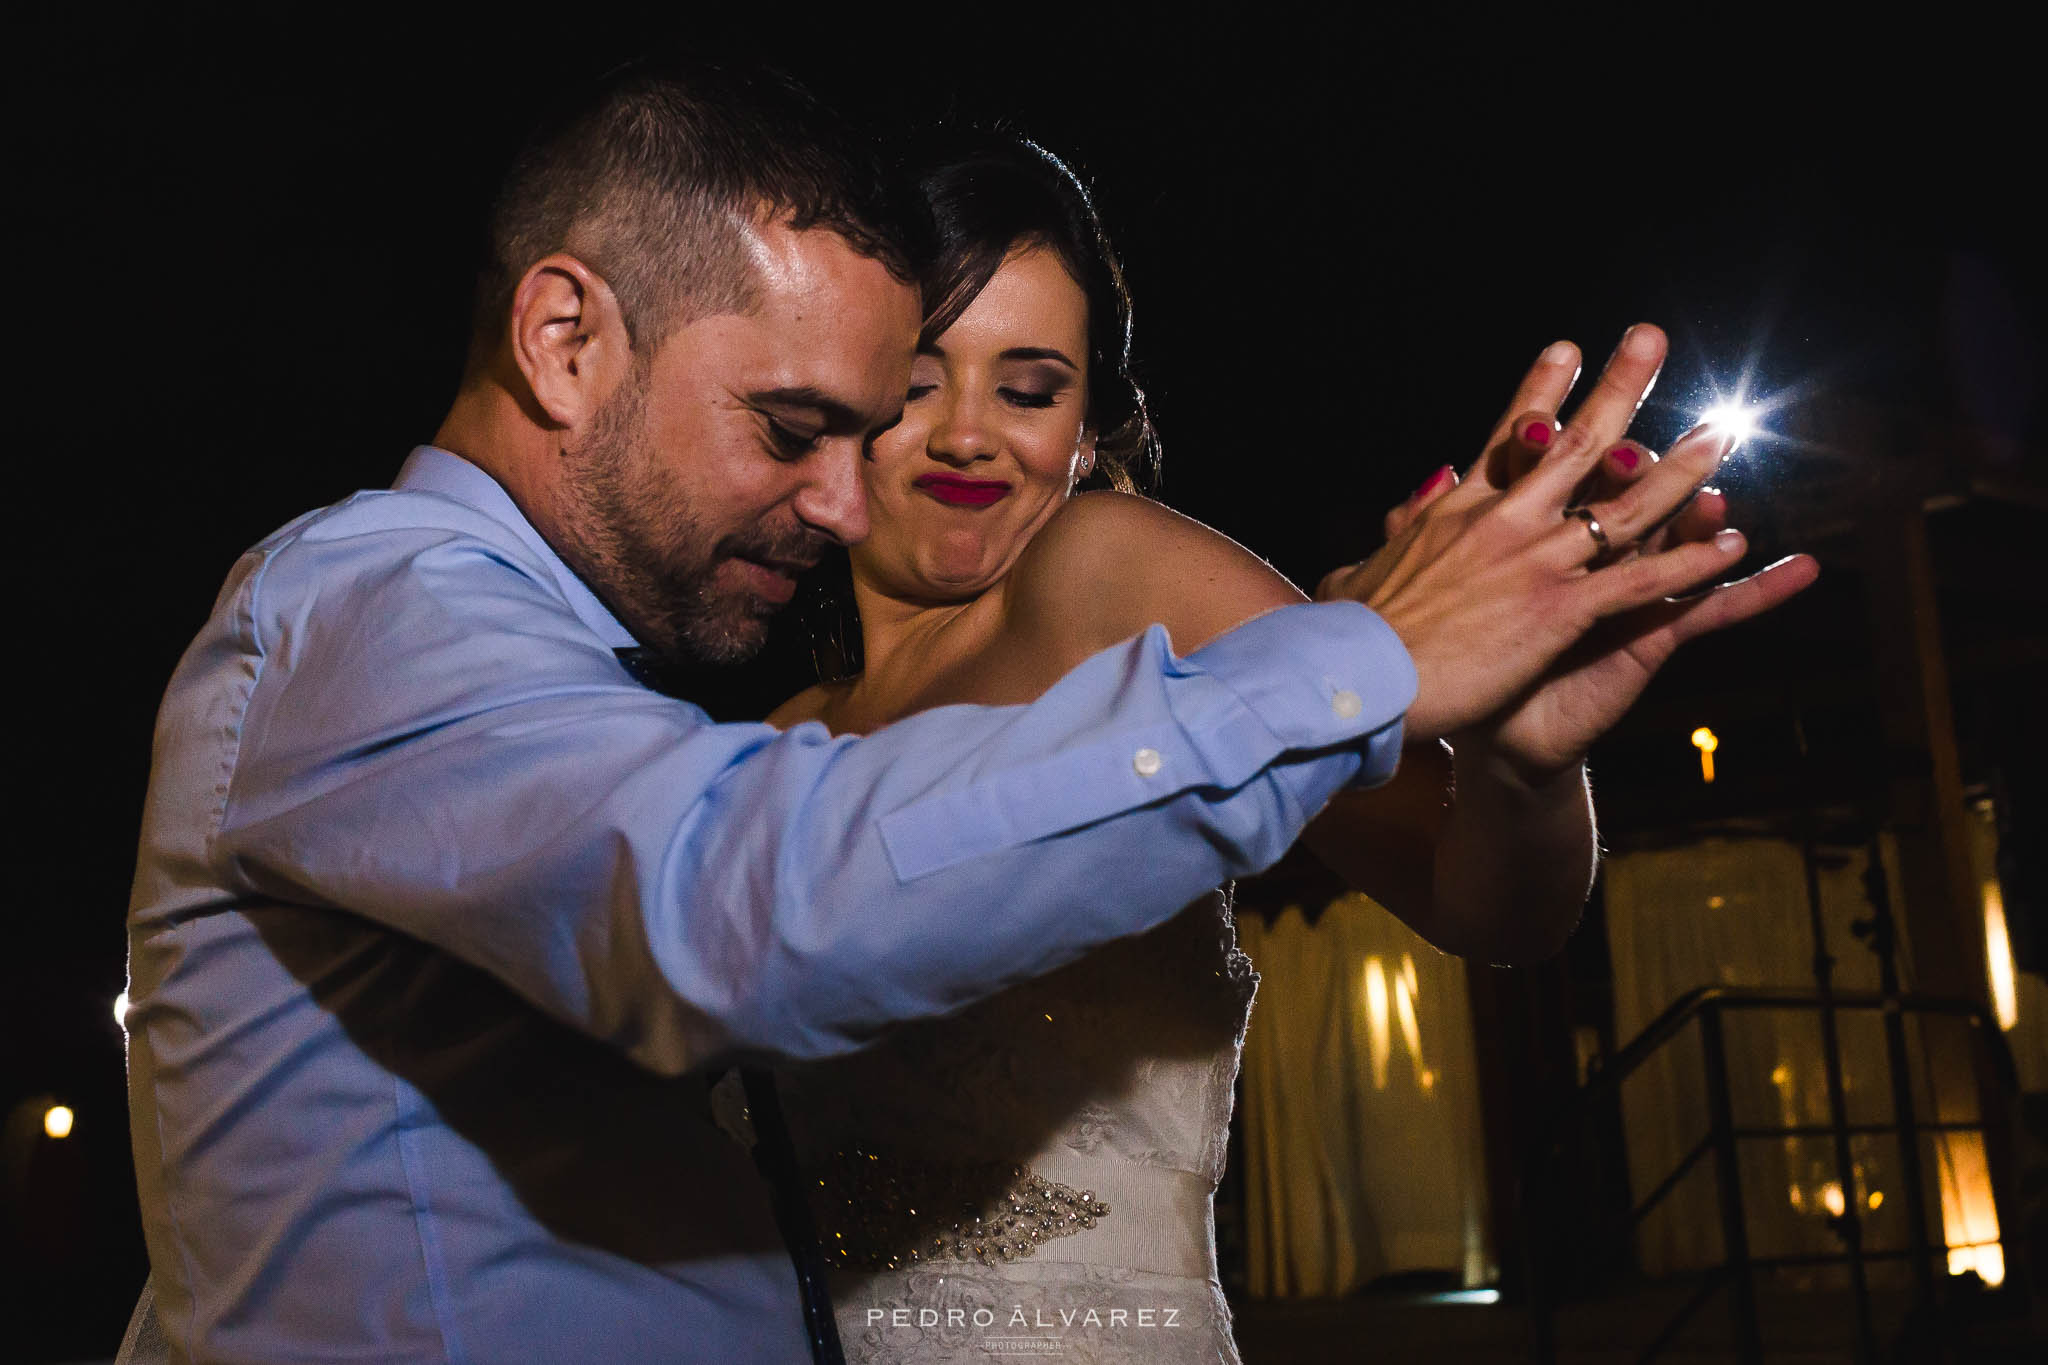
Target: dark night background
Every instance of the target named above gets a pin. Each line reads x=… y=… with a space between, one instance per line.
x=239 y=280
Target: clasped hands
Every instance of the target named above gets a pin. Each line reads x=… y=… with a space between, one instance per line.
x=1531 y=633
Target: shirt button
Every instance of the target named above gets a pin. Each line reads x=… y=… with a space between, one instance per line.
x=1146 y=762
x=1346 y=704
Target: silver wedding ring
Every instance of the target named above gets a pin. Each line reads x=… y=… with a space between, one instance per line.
x=1593 y=527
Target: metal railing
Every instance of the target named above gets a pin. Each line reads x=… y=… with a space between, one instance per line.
x=1554 y=1247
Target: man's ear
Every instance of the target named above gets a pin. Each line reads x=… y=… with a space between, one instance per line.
x=568 y=338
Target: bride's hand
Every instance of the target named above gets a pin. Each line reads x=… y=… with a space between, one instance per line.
x=1525 y=430
x=1547 y=728
x=1531 y=638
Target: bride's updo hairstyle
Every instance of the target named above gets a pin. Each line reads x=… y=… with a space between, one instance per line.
x=999 y=193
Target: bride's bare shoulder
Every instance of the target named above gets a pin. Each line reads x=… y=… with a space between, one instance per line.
x=1107 y=565
x=1106 y=524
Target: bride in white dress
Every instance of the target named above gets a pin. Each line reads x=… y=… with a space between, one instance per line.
x=1033 y=1175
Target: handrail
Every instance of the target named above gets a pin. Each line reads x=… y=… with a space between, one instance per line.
x=1708 y=1004
x=1686 y=1007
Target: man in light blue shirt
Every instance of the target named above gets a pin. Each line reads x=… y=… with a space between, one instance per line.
x=440 y=916
x=441 y=920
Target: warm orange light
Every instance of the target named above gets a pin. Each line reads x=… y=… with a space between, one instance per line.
x=1876 y=1200
x=1706 y=742
x=2005 y=1002
x=1379 y=1038
x=57 y=1121
x=1969 y=1218
x=1987 y=1260
x=1831 y=1196
x=1404 y=1014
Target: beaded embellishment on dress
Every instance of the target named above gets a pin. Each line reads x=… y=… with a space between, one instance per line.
x=1092 y=1105
x=880 y=1213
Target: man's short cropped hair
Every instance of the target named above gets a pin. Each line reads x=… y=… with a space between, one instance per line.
x=652 y=176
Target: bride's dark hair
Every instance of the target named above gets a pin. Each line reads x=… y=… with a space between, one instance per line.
x=991 y=193
x=998 y=193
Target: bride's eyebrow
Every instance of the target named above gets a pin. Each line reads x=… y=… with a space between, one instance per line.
x=1038 y=353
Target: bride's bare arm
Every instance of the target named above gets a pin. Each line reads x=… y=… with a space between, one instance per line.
x=1486 y=875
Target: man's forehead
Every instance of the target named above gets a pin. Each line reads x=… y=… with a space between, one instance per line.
x=804 y=268
x=826 y=321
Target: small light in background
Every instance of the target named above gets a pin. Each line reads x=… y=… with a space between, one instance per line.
x=1876 y=1200
x=2005 y=1003
x=57 y=1121
x=1831 y=1197
x=1716 y=902
x=1379 y=1036
x=1735 y=417
x=1969 y=1211
x=121 y=1009
x=1987 y=1260
x=1706 y=742
x=1405 y=991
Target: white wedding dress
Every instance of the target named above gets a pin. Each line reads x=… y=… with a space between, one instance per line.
x=1033 y=1176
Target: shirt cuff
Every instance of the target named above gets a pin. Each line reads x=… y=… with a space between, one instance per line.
x=1320 y=676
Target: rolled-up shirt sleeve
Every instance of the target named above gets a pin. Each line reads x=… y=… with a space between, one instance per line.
x=418 y=730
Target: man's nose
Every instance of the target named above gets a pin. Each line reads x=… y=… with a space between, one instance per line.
x=833 y=499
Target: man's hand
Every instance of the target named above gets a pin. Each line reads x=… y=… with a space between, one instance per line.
x=1597 y=680
x=1529 y=639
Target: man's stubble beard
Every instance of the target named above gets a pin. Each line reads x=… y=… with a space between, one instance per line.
x=643 y=550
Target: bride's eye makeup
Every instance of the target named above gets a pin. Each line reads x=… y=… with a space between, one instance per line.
x=924 y=377
x=1039 y=385
x=1028 y=398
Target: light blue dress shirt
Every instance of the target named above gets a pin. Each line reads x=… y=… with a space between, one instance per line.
x=440 y=921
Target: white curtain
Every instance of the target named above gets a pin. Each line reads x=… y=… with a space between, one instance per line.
x=1735 y=912
x=1362 y=1139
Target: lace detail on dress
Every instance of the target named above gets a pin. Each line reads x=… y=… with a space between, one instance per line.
x=1241 y=977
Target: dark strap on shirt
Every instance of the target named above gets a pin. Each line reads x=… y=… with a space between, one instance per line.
x=774 y=1153
x=776 y=1157
x=650 y=670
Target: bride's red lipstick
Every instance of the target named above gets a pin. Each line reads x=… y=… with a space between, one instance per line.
x=959 y=492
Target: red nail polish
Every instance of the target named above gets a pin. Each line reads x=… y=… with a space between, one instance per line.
x=1431 y=484
x=1625 y=456
x=1537 y=434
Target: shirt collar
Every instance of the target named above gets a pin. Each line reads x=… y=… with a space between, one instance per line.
x=430 y=469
